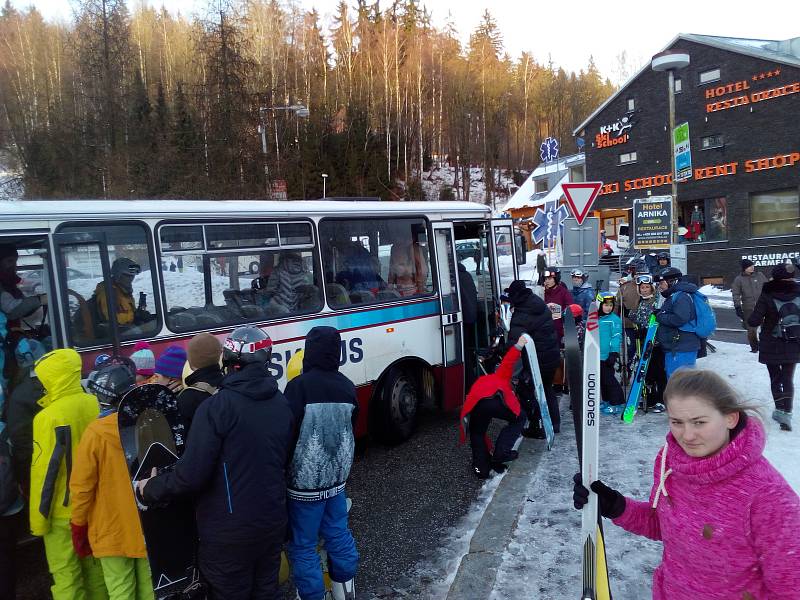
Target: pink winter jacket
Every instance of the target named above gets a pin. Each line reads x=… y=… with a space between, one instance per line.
x=730 y=524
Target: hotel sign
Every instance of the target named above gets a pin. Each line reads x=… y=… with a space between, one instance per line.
x=743 y=94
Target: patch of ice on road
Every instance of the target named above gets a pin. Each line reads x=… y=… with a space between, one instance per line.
x=543 y=558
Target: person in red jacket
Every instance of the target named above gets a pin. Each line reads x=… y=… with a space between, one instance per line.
x=492 y=397
x=557 y=297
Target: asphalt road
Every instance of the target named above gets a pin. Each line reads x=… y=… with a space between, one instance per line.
x=729 y=327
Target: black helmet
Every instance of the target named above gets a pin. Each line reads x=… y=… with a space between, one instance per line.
x=553 y=272
x=112 y=379
x=663 y=256
x=670 y=274
x=246 y=345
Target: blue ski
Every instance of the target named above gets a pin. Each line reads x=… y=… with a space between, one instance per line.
x=538 y=388
x=641 y=371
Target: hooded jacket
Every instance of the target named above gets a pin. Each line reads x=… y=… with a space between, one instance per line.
x=676 y=312
x=610 y=334
x=234 y=464
x=488 y=385
x=559 y=294
x=584 y=296
x=198 y=386
x=326 y=401
x=101 y=492
x=728 y=523
x=126 y=307
x=774 y=350
x=57 y=429
x=532 y=316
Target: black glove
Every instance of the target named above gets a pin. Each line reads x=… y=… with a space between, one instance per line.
x=610 y=502
x=739 y=312
x=612 y=359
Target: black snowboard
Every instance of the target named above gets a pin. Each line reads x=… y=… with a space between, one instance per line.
x=153 y=437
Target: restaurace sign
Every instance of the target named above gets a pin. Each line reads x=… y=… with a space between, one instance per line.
x=614 y=133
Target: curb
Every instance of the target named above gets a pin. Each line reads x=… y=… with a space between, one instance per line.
x=477 y=569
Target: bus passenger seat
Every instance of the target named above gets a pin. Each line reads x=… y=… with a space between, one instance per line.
x=337 y=295
x=181 y=321
x=388 y=295
x=362 y=297
x=308 y=298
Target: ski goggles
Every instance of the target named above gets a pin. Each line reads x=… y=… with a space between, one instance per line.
x=606 y=298
x=640 y=279
x=578 y=273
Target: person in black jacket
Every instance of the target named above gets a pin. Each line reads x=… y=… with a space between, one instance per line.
x=234 y=466
x=320 y=468
x=779 y=347
x=532 y=316
x=203 y=354
x=468 y=294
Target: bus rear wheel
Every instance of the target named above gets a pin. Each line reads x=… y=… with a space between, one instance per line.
x=398 y=406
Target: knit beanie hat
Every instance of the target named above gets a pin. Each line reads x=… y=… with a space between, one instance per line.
x=746 y=263
x=144 y=359
x=785 y=270
x=203 y=350
x=170 y=363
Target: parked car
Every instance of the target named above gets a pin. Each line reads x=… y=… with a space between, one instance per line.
x=31 y=283
x=467 y=249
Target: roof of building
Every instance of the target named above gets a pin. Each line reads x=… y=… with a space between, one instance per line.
x=526 y=197
x=783 y=51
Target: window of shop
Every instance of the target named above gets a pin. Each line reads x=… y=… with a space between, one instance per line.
x=627 y=158
x=774 y=213
x=375 y=260
x=631 y=104
x=712 y=141
x=678 y=85
x=704 y=221
x=709 y=76
x=231 y=273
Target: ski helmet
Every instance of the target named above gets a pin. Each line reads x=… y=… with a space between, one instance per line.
x=603 y=297
x=246 y=345
x=670 y=275
x=663 y=256
x=111 y=380
x=579 y=273
x=553 y=272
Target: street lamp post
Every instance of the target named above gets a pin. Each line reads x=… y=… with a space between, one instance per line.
x=324 y=179
x=670 y=61
x=300 y=111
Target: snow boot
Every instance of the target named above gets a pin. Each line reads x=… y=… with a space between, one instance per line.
x=505 y=456
x=344 y=591
x=784 y=418
x=535 y=432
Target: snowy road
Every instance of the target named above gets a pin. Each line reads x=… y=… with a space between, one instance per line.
x=542 y=560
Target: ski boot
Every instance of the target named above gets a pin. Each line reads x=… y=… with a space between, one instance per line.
x=658 y=408
x=784 y=418
x=607 y=409
x=505 y=457
x=344 y=591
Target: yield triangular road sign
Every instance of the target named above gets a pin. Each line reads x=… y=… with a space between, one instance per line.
x=580 y=197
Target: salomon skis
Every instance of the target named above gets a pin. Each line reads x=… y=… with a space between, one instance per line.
x=538 y=389
x=641 y=371
x=590 y=438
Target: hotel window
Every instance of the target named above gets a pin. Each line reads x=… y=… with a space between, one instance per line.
x=709 y=76
x=712 y=141
x=678 y=85
x=626 y=158
x=774 y=213
x=631 y=104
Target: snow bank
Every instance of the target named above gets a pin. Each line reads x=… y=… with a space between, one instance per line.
x=717 y=296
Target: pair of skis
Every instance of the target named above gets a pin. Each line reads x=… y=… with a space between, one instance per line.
x=637 y=383
x=584 y=384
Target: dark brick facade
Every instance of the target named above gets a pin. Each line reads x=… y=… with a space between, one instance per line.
x=752 y=131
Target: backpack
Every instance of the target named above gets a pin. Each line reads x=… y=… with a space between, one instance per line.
x=788 y=327
x=705 y=321
x=9 y=490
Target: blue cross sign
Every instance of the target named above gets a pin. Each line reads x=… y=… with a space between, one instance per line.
x=549 y=222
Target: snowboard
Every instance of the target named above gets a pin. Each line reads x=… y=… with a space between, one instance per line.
x=590 y=441
x=152 y=436
x=637 y=383
x=574 y=366
x=538 y=389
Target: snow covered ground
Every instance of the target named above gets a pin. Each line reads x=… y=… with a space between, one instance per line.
x=543 y=558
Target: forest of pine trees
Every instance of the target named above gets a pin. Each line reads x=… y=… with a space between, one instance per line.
x=142 y=104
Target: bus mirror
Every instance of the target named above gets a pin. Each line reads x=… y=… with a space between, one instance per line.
x=520 y=247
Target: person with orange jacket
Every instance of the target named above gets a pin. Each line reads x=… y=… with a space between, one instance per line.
x=105 y=521
x=492 y=397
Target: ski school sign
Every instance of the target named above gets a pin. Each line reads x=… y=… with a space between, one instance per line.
x=652 y=222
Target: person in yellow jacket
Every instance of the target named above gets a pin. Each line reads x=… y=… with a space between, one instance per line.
x=57 y=429
x=105 y=522
x=123 y=270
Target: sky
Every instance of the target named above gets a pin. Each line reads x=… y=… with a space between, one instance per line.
x=567 y=32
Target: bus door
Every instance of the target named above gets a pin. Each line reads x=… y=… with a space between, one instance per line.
x=452 y=379
x=86 y=254
x=502 y=243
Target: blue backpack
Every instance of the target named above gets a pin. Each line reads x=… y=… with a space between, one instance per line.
x=705 y=321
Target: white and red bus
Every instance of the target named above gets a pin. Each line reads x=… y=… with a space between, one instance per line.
x=383 y=273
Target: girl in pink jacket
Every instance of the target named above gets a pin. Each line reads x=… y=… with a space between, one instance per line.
x=728 y=520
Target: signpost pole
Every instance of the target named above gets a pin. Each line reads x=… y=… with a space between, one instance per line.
x=671 y=83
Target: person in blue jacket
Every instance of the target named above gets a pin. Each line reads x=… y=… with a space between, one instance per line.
x=321 y=464
x=582 y=291
x=680 y=347
x=234 y=468
x=611 y=394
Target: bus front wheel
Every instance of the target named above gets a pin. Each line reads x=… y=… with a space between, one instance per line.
x=399 y=402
